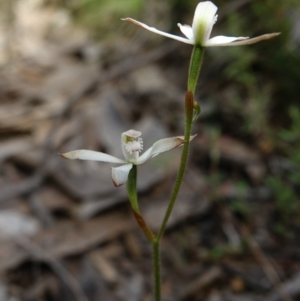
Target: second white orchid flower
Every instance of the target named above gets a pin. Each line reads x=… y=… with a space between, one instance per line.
x=204 y=19
x=132 y=145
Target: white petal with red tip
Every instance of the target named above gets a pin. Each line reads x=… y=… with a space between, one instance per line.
x=162 y=33
x=84 y=154
x=119 y=174
x=244 y=41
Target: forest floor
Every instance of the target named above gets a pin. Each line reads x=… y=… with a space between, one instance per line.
x=66 y=233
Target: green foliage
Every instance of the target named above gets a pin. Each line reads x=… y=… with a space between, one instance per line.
x=262 y=84
x=282 y=230
x=222 y=250
x=292 y=135
x=264 y=64
x=102 y=16
x=286 y=184
x=286 y=198
x=240 y=206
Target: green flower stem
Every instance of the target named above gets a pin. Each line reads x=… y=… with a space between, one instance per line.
x=143 y=225
x=195 y=67
x=189 y=106
x=156 y=269
x=132 y=194
x=131 y=189
x=192 y=110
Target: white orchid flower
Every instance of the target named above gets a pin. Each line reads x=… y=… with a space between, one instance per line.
x=204 y=19
x=132 y=145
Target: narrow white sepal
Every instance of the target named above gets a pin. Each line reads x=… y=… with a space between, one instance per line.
x=119 y=174
x=84 y=154
x=223 y=40
x=160 y=146
x=241 y=41
x=162 y=33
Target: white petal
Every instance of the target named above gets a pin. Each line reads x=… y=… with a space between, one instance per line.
x=230 y=41
x=84 y=154
x=160 y=146
x=187 y=30
x=221 y=40
x=162 y=33
x=119 y=174
x=204 y=19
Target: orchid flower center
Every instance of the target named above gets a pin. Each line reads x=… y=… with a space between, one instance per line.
x=132 y=145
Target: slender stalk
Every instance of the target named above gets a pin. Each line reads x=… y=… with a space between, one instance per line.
x=190 y=105
x=132 y=194
x=189 y=102
x=143 y=225
x=195 y=66
x=156 y=269
x=192 y=110
x=131 y=189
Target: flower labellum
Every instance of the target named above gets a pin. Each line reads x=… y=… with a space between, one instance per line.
x=204 y=19
x=132 y=145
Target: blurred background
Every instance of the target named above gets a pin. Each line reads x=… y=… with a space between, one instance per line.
x=73 y=75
